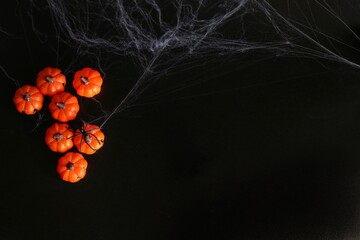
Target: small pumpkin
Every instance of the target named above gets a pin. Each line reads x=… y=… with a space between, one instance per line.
x=87 y=82
x=50 y=81
x=89 y=138
x=58 y=137
x=64 y=107
x=28 y=99
x=72 y=167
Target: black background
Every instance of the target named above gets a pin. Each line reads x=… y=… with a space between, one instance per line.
x=267 y=151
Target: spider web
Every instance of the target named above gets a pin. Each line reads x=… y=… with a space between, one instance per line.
x=166 y=37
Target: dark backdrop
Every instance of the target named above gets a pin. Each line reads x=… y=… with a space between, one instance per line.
x=269 y=151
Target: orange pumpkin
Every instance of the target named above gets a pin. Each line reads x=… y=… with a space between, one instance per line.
x=64 y=107
x=72 y=167
x=87 y=82
x=89 y=138
x=58 y=137
x=28 y=99
x=50 y=81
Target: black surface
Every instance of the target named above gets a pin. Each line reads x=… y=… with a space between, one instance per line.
x=269 y=151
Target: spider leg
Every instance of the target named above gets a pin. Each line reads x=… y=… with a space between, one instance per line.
x=70 y=129
x=89 y=130
x=97 y=139
x=89 y=145
x=81 y=144
x=85 y=124
x=75 y=134
x=86 y=144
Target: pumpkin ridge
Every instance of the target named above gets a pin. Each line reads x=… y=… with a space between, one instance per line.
x=61 y=169
x=66 y=174
x=76 y=158
x=68 y=98
x=27 y=89
x=31 y=104
x=53 y=145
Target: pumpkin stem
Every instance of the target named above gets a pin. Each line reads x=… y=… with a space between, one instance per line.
x=49 y=79
x=88 y=138
x=26 y=96
x=70 y=166
x=60 y=105
x=58 y=136
x=84 y=80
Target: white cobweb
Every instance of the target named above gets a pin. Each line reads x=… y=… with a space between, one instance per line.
x=161 y=35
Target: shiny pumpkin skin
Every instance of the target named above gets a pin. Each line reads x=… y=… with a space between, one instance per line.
x=72 y=167
x=58 y=137
x=64 y=107
x=28 y=100
x=91 y=143
x=87 y=82
x=50 y=81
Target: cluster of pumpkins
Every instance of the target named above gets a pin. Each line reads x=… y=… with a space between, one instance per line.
x=64 y=107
